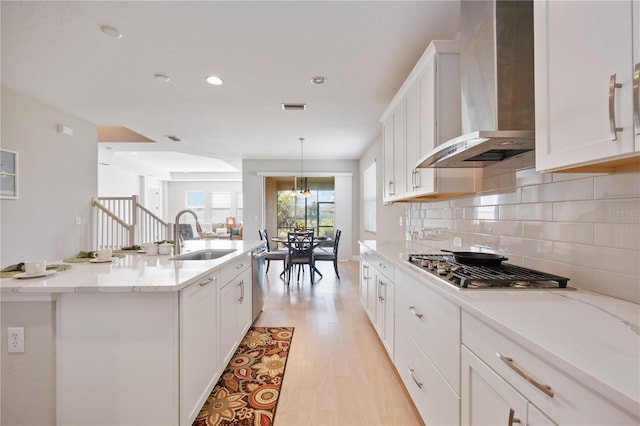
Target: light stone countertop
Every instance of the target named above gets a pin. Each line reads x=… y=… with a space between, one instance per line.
x=136 y=272
x=593 y=337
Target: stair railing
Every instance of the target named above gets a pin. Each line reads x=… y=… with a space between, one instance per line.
x=123 y=221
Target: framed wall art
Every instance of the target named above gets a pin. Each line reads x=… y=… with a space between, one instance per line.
x=8 y=174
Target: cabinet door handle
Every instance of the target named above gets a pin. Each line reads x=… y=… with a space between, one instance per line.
x=365 y=268
x=512 y=419
x=636 y=98
x=413 y=376
x=241 y=285
x=612 y=107
x=392 y=191
x=509 y=361
x=207 y=281
x=413 y=311
x=382 y=265
x=380 y=284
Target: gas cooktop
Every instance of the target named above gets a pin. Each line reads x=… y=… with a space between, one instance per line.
x=503 y=276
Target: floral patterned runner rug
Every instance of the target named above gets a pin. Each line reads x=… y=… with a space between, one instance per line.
x=248 y=390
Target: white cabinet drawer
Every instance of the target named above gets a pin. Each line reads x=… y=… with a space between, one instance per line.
x=437 y=403
x=434 y=323
x=235 y=267
x=384 y=267
x=571 y=402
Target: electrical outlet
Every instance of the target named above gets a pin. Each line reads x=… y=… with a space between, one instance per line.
x=15 y=337
x=400 y=221
x=457 y=241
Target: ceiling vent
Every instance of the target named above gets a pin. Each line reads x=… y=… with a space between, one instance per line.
x=174 y=138
x=294 y=107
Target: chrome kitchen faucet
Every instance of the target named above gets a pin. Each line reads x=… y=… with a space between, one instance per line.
x=177 y=243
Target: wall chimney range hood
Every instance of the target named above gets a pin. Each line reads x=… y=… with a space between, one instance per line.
x=496 y=68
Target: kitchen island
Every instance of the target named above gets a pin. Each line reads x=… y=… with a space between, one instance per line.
x=140 y=340
x=493 y=356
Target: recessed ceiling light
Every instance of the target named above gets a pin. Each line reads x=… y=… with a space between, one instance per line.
x=134 y=153
x=215 y=80
x=161 y=77
x=110 y=31
x=318 y=80
x=505 y=143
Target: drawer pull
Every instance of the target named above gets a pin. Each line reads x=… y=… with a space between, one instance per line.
x=382 y=265
x=240 y=266
x=512 y=419
x=509 y=361
x=207 y=281
x=413 y=376
x=413 y=311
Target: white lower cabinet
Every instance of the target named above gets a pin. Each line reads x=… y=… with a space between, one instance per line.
x=434 y=324
x=199 y=365
x=551 y=392
x=487 y=399
x=235 y=314
x=437 y=403
x=148 y=358
x=384 y=321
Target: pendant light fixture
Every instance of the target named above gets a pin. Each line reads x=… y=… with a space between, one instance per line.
x=304 y=192
x=294 y=191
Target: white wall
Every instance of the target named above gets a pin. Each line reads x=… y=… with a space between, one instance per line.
x=113 y=182
x=347 y=204
x=387 y=216
x=57 y=180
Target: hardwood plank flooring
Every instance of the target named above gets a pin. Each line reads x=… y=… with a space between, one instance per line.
x=338 y=372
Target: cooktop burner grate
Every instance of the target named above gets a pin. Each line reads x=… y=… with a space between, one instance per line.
x=473 y=276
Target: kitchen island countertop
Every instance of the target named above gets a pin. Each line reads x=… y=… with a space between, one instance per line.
x=593 y=337
x=135 y=272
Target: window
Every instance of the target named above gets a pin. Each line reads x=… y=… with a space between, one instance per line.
x=195 y=202
x=369 y=196
x=220 y=207
x=316 y=212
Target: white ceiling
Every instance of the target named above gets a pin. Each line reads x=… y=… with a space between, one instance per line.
x=265 y=51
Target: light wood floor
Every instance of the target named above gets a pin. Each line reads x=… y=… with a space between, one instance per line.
x=338 y=372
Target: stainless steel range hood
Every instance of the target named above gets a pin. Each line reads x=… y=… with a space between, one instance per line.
x=496 y=62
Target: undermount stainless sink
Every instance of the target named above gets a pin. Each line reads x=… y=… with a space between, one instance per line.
x=206 y=254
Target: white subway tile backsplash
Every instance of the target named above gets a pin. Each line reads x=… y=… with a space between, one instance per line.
x=531 y=177
x=581 y=189
x=624 y=236
x=543 y=211
x=624 y=262
x=578 y=233
x=482 y=213
x=582 y=226
x=497 y=198
x=598 y=211
x=623 y=185
x=536 y=248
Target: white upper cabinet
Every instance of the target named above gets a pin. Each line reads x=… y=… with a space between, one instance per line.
x=424 y=113
x=585 y=54
x=393 y=151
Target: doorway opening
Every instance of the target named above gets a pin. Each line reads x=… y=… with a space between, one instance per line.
x=293 y=212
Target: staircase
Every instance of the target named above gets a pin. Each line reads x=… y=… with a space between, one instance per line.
x=122 y=221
